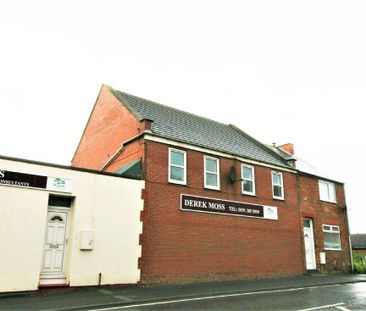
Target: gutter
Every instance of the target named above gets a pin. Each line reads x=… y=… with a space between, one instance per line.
x=212 y=151
x=119 y=150
x=319 y=177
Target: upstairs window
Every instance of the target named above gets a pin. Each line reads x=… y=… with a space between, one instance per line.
x=277 y=185
x=248 y=182
x=212 y=173
x=332 y=237
x=177 y=166
x=327 y=191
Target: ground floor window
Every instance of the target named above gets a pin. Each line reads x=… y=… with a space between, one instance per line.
x=332 y=237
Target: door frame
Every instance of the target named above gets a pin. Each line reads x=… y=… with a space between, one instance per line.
x=311 y=221
x=56 y=278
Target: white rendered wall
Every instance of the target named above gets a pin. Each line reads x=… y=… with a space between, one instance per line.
x=109 y=206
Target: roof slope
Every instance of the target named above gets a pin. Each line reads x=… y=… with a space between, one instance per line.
x=303 y=166
x=185 y=127
x=358 y=241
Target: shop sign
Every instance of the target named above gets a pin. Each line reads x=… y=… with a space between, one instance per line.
x=17 y=179
x=216 y=206
x=58 y=184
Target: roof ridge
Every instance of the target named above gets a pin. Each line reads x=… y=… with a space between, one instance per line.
x=173 y=108
x=180 y=125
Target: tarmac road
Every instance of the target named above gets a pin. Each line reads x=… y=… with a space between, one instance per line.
x=337 y=297
x=339 y=292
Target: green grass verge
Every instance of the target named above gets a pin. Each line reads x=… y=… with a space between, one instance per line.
x=359 y=263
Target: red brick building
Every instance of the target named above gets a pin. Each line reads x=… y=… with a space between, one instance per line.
x=218 y=204
x=322 y=203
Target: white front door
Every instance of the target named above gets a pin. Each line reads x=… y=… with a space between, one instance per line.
x=309 y=244
x=55 y=245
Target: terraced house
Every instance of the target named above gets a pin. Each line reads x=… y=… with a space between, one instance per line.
x=218 y=204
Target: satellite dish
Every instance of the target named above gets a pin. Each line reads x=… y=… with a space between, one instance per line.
x=232 y=175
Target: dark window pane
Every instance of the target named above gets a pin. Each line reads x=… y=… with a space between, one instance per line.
x=247 y=186
x=57 y=219
x=277 y=191
x=54 y=200
x=307 y=223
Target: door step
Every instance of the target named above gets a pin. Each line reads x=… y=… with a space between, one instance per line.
x=53 y=280
x=313 y=273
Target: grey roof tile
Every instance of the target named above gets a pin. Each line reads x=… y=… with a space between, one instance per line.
x=132 y=169
x=358 y=241
x=185 y=127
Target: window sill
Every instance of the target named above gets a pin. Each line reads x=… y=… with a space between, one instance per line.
x=214 y=189
x=331 y=202
x=177 y=183
x=249 y=194
x=333 y=249
x=278 y=199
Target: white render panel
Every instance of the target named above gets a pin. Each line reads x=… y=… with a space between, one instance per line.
x=23 y=220
x=109 y=206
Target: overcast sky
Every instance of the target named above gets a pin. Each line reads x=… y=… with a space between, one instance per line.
x=283 y=71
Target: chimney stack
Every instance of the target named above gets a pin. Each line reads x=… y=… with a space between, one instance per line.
x=288 y=148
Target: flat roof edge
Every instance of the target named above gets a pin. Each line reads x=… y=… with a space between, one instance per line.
x=66 y=167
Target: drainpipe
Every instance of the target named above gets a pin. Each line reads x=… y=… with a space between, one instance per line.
x=301 y=225
x=349 y=238
x=345 y=210
x=119 y=150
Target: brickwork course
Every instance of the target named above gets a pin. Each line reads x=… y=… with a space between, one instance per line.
x=183 y=246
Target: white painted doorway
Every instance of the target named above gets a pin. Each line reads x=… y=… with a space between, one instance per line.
x=309 y=244
x=55 y=247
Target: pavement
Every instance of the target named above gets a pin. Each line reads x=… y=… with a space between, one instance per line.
x=84 y=298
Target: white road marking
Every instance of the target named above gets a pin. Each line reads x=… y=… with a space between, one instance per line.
x=343 y=308
x=147 y=304
x=337 y=305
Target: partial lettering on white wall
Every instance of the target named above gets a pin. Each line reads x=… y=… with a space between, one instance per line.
x=9 y=178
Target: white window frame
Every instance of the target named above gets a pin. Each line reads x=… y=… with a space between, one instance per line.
x=252 y=180
x=282 y=186
x=332 y=230
x=330 y=186
x=217 y=173
x=174 y=181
